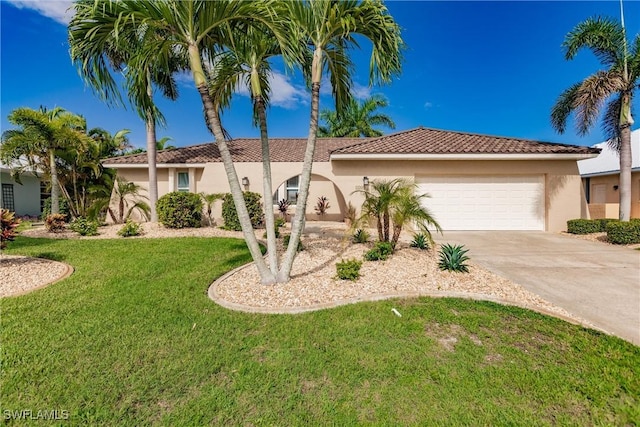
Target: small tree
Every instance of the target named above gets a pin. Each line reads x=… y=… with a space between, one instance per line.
x=209 y=200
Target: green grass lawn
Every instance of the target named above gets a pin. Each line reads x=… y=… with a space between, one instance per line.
x=132 y=339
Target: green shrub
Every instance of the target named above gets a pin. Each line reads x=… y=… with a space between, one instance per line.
x=129 y=229
x=349 y=269
x=452 y=258
x=180 y=210
x=287 y=238
x=623 y=233
x=420 y=241
x=583 y=226
x=54 y=223
x=603 y=223
x=280 y=222
x=379 y=252
x=8 y=225
x=84 y=227
x=230 y=216
x=63 y=207
x=360 y=236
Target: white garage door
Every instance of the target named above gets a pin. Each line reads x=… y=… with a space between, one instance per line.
x=485 y=202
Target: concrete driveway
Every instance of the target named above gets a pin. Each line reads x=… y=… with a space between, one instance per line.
x=595 y=281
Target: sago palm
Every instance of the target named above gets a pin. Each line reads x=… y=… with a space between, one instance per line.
x=612 y=88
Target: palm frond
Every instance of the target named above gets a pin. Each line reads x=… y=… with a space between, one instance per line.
x=563 y=108
x=591 y=95
x=604 y=36
x=611 y=122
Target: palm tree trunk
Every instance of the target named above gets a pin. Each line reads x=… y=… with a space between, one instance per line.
x=55 y=195
x=625 y=173
x=379 y=227
x=397 y=229
x=385 y=219
x=267 y=188
x=213 y=122
x=151 y=157
x=303 y=193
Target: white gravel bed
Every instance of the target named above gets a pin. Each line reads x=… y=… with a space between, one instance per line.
x=409 y=272
x=22 y=274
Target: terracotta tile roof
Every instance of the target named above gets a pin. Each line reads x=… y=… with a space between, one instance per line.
x=434 y=141
x=242 y=150
x=415 y=141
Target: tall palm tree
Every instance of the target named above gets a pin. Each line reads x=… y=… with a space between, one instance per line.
x=357 y=120
x=123 y=53
x=193 y=29
x=615 y=87
x=37 y=145
x=248 y=63
x=328 y=29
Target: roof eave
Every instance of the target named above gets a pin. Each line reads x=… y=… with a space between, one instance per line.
x=158 y=166
x=474 y=156
x=605 y=173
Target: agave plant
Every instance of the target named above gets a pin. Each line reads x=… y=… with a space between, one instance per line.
x=360 y=236
x=452 y=258
x=421 y=241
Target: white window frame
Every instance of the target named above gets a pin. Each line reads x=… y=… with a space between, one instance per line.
x=182 y=188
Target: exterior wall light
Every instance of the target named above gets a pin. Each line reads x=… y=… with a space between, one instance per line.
x=245 y=181
x=615 y=188
x=365 y=181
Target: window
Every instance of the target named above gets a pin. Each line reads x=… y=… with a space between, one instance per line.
x=292 y=190
x=183 y=181
x=7 y=197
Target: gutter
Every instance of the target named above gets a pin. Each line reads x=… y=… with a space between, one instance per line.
x=475 y=156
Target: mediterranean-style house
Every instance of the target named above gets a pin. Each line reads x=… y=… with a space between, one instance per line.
x=24 y=198
x=601 y=178
x=475 y=182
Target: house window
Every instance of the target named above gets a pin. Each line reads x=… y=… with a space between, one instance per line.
x=183 y=181
x=7 y=197
x=292 y=190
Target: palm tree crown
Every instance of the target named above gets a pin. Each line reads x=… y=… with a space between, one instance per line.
x=357 y=120
x=612 y=88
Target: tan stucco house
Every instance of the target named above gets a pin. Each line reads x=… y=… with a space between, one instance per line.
x=601 y=179
x=476 y=182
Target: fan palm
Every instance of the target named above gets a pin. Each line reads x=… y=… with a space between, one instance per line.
x=357 y=120
x=327 y=29
x=614 y=87
x=43 y=136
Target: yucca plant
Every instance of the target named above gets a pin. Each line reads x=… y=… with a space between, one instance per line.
x=452 y=258
x=420 y=241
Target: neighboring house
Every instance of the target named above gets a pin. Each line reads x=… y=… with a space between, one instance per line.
x=476 y=182
x=24 y=199
x=601 y=180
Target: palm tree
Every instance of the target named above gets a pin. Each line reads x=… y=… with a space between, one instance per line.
x=194 y=29
x=615 y=86
x=248 y=63
x=37 y=146
x=327 y=29
x=161 y=144
x=127 y=196
x=111 y=145
x=408 y=209
x=124 y=53
x=378 y=203
x=209 y=200
x=358 y=119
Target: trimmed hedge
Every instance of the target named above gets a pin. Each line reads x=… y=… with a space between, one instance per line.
x=180 y=210
x=254 y=206
x=584 y=226
x=624 y=233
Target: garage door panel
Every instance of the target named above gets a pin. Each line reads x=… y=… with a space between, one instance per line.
x=485 y=202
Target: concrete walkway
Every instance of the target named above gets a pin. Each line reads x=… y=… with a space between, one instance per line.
x=596 y=281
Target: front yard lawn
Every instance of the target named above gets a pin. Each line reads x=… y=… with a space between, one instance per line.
x=132 y=339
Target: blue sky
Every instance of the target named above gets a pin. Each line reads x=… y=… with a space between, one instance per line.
x=487 y=67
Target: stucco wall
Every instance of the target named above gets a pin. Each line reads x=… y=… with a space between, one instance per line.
x=610 y=208
x=26 y=196
x=340 y=181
